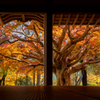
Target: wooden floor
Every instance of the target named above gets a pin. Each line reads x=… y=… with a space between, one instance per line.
x=49 y=93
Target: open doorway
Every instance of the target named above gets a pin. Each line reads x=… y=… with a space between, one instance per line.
x=75 y=43
x=22 y=49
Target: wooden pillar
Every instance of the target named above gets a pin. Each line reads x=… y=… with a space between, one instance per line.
x=1 y=22
x=48 y=49
x=38 y=78
x=84 y=79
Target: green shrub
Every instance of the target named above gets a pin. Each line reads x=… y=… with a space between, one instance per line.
x=91 y=84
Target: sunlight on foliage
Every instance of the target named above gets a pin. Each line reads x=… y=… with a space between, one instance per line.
x=22 y=53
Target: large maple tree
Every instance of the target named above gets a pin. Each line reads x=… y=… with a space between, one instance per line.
x=73 y=47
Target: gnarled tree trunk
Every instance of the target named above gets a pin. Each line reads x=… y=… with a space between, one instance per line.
x=63 y=78
x=67 y=79
x=58 y=76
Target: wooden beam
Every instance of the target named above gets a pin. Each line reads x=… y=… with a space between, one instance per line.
x=34 y=15
x=37 y=16
x=60 y=20
x=6 y=17
x=83 y=20
x=91 y=20
x=53 y=18
x=68 y=19
x=10 y=19
x=2 y=15
x=96 y=22
x=23 y=17
x=75 y=20
x=42 y=15
x=15 y=18
x=1 y=22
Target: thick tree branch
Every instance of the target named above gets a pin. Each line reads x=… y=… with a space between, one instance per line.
x=86 y=61
x=26 y=56
x=34 y=53
x=68 y=51
x=38 y=38
x=38 y=26
x=63 y=55
x=92 y=62
x=80 y=38
x=75 y=40
x=80 y=54
x=55 y=43
x=35 y=31
x=14 y=58
x=38 y=49
x=62 y=37
x=66 y=47
x=30 y=56
x=58 y=52
x=34 y=65
x=20 y=60
x=24 y=40
x=69 y=34
x=35 y=40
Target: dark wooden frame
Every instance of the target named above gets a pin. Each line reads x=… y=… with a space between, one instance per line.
x=49 y=9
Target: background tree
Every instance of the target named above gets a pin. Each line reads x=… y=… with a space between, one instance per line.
x=19 y=49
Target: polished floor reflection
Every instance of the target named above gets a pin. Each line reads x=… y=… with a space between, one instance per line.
x=49 y=93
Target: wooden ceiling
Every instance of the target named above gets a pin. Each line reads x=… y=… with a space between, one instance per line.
x=7 y=17
x=76 y=19
x=58 y=19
